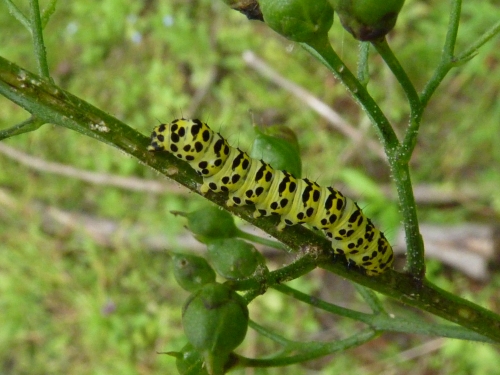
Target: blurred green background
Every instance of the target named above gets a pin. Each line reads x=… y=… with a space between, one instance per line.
x=85 y=284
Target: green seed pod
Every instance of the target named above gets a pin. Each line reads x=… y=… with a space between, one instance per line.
x=234 y=259
x=298 y=20
x=189 y=361
x=278 y=146
x=249 y=8
x=191 y=272
x=368 y=19
x=210 y=222
x=215 y=320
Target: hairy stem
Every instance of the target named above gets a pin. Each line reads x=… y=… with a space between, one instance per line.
x=362 y=71
x=416 y=110
x=323 y=51
x=38 y=44
x=446 y=62
x=18 y=15
x=415 y=263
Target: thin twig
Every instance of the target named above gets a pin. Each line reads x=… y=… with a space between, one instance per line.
x=425 y=194
x=130 y=183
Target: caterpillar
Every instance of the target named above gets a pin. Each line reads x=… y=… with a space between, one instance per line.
x=298 y=201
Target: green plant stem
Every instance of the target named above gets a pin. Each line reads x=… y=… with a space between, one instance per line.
x=437 y=301
x=301 y=266
x=478 y=43
x=446 y=62
x=270 y=334
x=454 y=23
x=28 y=125
x=415 y=246
x=34 y=26
x=322 y=50
x=18 y=15
x=415 y=262
x=410 y=140
x=381 y=321
x=47 y=12
x=38 y=44
x=393 y=63
x=363 y=73
x=370 y=298
x=51 y=104
x=308 y=350
x=318 y=303
x=262 y=241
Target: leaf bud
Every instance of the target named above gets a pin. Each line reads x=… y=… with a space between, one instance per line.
x=277 y=145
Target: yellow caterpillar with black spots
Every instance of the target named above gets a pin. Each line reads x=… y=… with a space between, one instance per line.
x=298 y=201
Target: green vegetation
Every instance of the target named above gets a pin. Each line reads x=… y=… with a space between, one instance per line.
x=86 y=283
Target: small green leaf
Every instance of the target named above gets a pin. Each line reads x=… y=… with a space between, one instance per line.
x=278 y=146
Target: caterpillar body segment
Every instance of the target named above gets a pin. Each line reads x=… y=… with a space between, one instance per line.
x=298 y=201
x=304 y=204
x=258 y=181
x=330 y=210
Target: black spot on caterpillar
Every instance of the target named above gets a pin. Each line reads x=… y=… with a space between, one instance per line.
x=298 y=201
